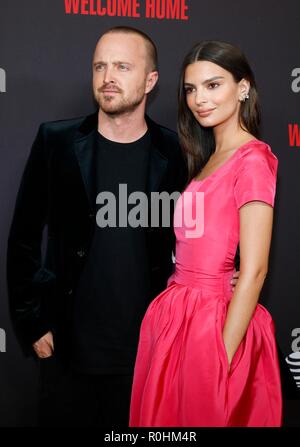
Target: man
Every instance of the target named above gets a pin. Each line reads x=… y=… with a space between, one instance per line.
x=81 y=307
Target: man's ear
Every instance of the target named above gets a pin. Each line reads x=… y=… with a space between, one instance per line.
x=151 y=81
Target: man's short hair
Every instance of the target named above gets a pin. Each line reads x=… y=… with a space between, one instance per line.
x=150 y=45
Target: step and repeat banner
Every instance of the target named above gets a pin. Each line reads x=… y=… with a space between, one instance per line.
x=45 y=74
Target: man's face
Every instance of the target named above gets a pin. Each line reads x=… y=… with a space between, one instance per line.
x=120 y=78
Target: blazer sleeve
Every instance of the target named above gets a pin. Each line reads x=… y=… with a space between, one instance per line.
x=28 y=282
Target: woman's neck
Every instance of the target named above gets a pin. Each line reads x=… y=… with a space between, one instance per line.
x=229 y=136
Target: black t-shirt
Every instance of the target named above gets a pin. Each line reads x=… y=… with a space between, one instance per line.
x=113 y=290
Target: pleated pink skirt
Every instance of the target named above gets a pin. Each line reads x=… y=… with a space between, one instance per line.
x=181 y=376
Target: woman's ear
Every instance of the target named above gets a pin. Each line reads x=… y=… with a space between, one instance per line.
x=244 y=87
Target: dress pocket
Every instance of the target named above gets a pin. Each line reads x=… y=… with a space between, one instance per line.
x=221 y=345
x=236 y=358
x=224 y=353
x=222 y=308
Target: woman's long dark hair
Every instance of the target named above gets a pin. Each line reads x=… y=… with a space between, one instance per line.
x=197 y=141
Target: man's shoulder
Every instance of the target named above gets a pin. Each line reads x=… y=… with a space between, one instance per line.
x=63 y=125
x=168 y=132
x=170 y=135
x=167 y=142
x=162 y=134
x=161 y=128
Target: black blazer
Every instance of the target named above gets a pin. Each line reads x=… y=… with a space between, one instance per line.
x=56 y=192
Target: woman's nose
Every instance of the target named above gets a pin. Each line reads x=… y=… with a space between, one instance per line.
x=200 y=97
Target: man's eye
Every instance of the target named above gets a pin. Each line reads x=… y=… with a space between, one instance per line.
x=123 y=67
x=99 y=67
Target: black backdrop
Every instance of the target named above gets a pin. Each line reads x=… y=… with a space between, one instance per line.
x=45 y=74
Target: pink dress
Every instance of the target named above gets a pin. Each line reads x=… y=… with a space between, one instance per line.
x=181 y=374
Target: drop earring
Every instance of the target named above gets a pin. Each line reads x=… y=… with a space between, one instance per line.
x=246 y=96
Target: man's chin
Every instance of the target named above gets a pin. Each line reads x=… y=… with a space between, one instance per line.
x=116 y=111
x=114 y=108
x=109 y=107
x=109 y=110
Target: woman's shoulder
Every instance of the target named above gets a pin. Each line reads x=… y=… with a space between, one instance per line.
x=255 y=174
x=257 y=149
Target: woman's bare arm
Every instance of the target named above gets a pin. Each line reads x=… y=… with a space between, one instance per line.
x=256 y=219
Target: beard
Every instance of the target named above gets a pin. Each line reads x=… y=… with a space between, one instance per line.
x=118 y=105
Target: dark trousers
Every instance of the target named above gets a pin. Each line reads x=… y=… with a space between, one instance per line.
x=70 y=399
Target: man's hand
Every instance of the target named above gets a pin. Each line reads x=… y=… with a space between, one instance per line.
x=44 y=347
x=234 y=279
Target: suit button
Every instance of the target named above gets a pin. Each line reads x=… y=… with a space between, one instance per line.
x=81 y=253
x=70 y=292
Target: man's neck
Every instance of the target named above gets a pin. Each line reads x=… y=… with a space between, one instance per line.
x=125 y=128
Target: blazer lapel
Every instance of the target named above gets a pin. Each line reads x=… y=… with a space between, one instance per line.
x=157 y=167
x=85 y=146
x=158 y=162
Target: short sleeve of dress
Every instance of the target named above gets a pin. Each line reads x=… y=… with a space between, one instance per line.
x=256 y=175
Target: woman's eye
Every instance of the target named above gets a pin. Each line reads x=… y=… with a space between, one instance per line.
x=213 y=85
x=188 y=90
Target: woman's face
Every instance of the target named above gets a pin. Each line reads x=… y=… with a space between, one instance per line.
x=212 y=94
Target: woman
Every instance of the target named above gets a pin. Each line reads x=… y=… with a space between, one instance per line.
x=207 y=356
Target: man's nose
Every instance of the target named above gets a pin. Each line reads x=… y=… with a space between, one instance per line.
x=108 y=76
